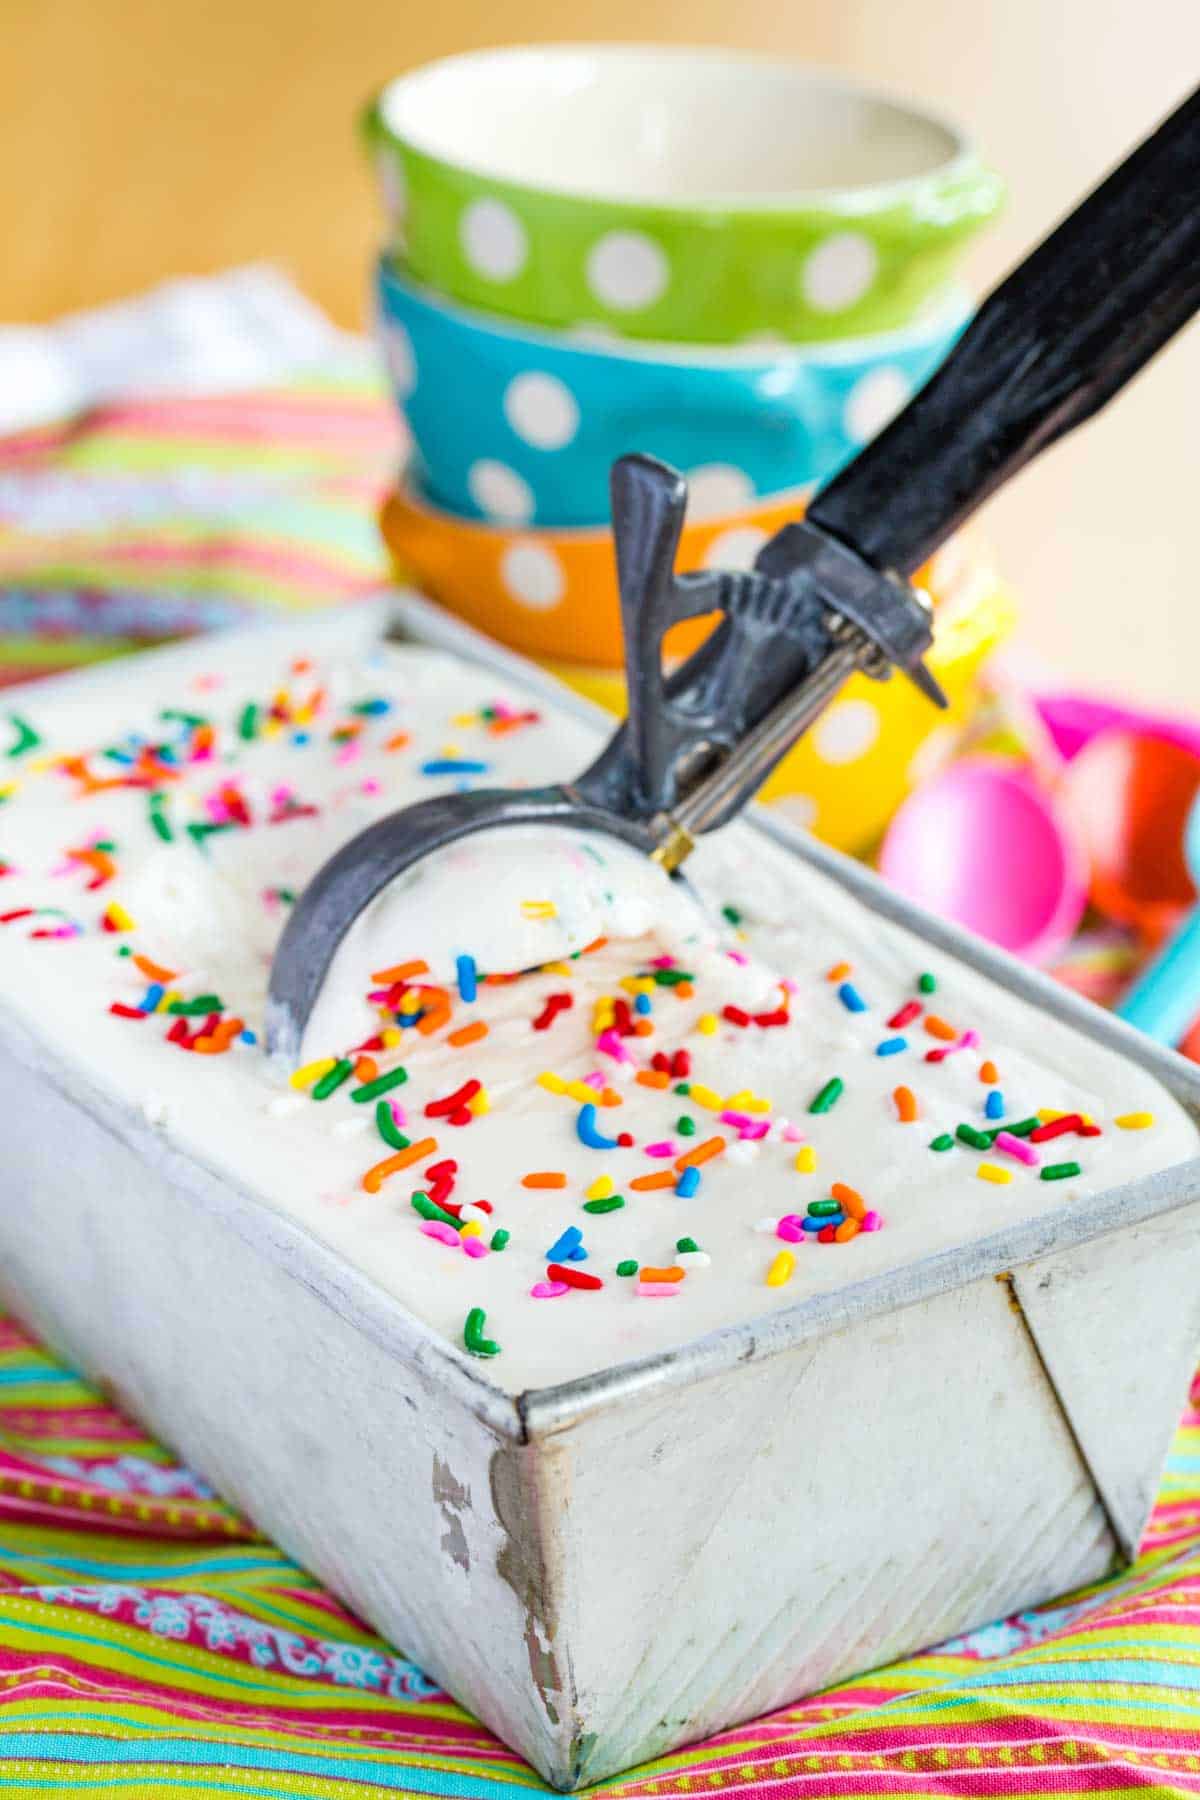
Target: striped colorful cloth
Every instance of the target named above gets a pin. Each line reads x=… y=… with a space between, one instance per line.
x=152 y=1644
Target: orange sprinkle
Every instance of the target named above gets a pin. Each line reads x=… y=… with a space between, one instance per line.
x=988 y=1073
x=938 y=1028
x=703 y=1153
x=662 y=1178
x=674 y=1273
x=684 y=990
x=838 y=972
x=610 y=1097
x=906 y=1105
x=643 y=1028
x=849 y=1228
x=154 y=971
x=375 y=1177
x=502 y=727
x=220 y=1038
x=399 y=740
x=401 y=972
x=596 y=944
x=468 y=1034
x=498 y=980
x=850 y=1200
x=366 y=1068
x=433 y=1020
x=544 y=1178
x=655 y=1078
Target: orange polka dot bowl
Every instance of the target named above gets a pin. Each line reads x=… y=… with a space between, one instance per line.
x=554 y=593
x=523 y=425
x=684 y=195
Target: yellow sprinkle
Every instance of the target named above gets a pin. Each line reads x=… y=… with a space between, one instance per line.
x=579 y=1090
x=557 y=968
x=461 y=720
x=539 y=909
x=993 y=1172
x=602 y=1188
x=707 y=1023
x=391 y=1037
x=1135 y=1121
x=704 y=1096
x=780 y=1271
x=1048 y=1114
x=168 y=999
x=479 y=1103
x=450 y=750
x=409 y=1003
x=746 y=1100
x=472 y=1228
x=806 y=1159
x=311 y=1072
x=119 y=917
x=8 y=789
x=553 y=1084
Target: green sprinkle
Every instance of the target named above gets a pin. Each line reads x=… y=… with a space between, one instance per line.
x=248 y=722
x=944 y=1142
x=429 y=1209
x=829 y=1095
x=927 y=983
x=672 y=977
x=500 y=1238
x=473 y=1336
x=198 y=830
x=26 y=738
x=684 y=1245
x=613 y=1203
x=978 y=1140
x=627 y=1267
x=387 y=1127
x=682 y=1087
x=371 y=1090
x=198 y=1008
x=732 y=914
x=823 y=1209
x=333 y=1079
x=685 y=1125
x=1061 y=1171
x=1022 y=1128
x=124 y=950
x=158 y=819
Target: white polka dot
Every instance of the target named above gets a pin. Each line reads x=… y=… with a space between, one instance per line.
x=715 y=489
x=400 y=357
x=533 y=575
x=627 y=270
x=846 y=731
x=542 y=410
x=493 y=240
x=839 y=271
x=874 y=401
x=500 y=492
x=735 y=548
x=797 y=809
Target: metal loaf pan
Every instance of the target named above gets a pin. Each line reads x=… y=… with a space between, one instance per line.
x=609 y=1568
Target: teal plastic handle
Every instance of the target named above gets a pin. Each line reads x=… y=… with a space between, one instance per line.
x=1165 y=1000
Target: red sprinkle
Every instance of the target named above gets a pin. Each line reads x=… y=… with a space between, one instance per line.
x=1058 y=1128
x=129 y=1012
x=625 y=1140
x=779 y=1017
x=735 y=1015
x=622 y=1019
x=573 y=1277
x=827 y=1234
x=451 y=1104
x=681 y=1064
x=662 y=1062
x=907 y=1013
x=22 y=912
x=555 y=1003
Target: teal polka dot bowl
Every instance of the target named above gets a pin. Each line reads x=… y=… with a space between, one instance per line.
x=683 y=195
x=522 y=426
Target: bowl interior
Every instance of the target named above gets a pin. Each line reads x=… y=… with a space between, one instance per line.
x=654 y=124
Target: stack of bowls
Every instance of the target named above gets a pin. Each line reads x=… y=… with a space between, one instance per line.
x=738 y=265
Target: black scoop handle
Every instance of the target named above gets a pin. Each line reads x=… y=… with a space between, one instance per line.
x=1067 y=329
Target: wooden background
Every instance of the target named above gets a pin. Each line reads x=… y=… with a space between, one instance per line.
x=140 y=138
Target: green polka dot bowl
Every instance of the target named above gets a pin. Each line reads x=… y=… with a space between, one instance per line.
x=683 y=195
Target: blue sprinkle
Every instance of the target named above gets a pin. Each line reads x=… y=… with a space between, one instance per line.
x=642 y=1004
x=578 y=1254
x=994 y=1105
x=446 y=765
x=465 y=965
x=372 y=708
x=151 y=997
x=850 y=998
x=564 y=1246
x=585 y=1126
x=687 y=1184
x=891 y=1046
x=834 y=1219
x=300 y=738
x=406 y=1020
x=248 y=1036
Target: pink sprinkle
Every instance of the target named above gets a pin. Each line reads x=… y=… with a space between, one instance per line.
x=281 y=795
x=216 y=809
x=753 y=1130
x=739 y=957
x=871 y=1221
x=736 y=1119
x=437 y=1228
x=371 y=786
x=1025 y=1153
x=609 y=1043
x=792 y=1134
x=549 y=1290
x=968 y=1041
x=665 y=1148
x=398 y=1114
x=790 y=1228
x=474 y=1247
x=662 y=962
x=789 y=986
x=658 y=1290
x=349 y=752
x=378 y=996
x=595 y=1079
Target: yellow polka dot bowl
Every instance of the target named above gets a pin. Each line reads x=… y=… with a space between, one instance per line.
x=523 y=425
x=685 y=195
x=554 y=593
x=846 y=778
